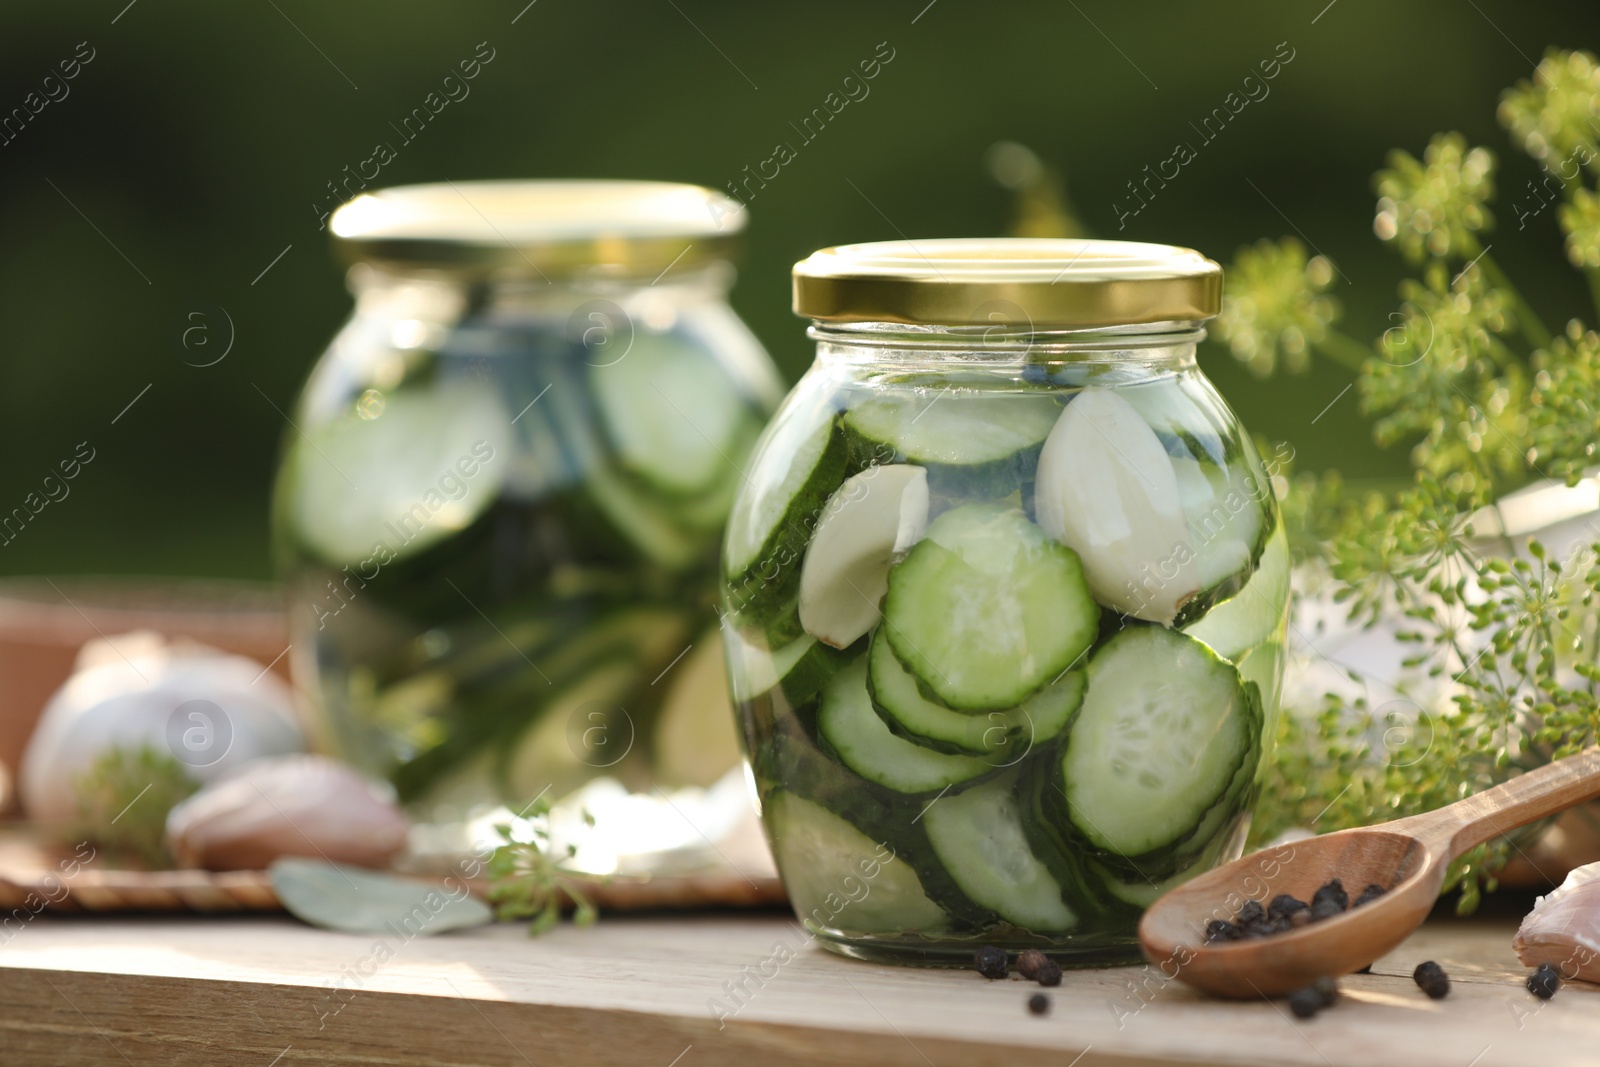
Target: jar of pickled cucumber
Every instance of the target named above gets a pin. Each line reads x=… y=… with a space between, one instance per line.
x=498 y=511
x=1004 y=599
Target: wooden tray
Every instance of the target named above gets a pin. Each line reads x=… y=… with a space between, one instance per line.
x=34 y=878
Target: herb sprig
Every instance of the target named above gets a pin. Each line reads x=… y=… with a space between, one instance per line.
x=529 y=878
x=1505 y=668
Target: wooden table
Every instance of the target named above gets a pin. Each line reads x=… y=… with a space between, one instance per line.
x=647 y=992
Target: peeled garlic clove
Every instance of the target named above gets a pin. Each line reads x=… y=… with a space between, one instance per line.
x=1563 y=929
x=291 y=806
x=871 y=518
x=1106 y=489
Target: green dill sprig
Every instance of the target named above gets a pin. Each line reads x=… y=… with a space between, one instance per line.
x=1502 y=671
x=529 y=879
x=1275 y=306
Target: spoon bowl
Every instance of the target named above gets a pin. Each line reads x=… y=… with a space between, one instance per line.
x=1407 y=858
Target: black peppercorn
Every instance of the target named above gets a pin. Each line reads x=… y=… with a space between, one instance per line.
x=1327 y=989
x=991 y=962
x=1431 y=979
x=1371 y=893
x=1544 y=981
x=1049 y=973
x=1029 y=962
x=1305 y=1002
x=1039 y=1004
x=1222 y=930
x=1251 y=913
x=1326 y=908
x=1284 y=905
x=1333 y=891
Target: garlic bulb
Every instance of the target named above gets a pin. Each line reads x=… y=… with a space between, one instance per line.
x=1563 y=929
x=288 y=806
x=1106 y=489
x=209 y=710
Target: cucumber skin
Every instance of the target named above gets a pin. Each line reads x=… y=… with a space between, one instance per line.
x=1163 y=862
x=766 y=594
x=791 y=760
x=964 y=483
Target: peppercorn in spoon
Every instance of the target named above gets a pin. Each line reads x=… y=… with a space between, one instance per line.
x=1407 y=858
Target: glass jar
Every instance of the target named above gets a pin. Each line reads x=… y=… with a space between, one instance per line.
x=498 y=511
x=1005 y=598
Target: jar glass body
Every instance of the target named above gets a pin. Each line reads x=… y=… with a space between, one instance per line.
x=1005 y=620
x=497 y=516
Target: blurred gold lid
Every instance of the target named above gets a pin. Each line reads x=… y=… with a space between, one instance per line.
x=1067 y=282
x=539 y=228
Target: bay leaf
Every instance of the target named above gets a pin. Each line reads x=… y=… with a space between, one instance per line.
x=335 y=896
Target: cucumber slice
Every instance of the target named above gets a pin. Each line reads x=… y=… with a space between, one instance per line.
x=823 y=858
x=696 y=738
x=582 y=731
x=978 y=836
x=793 y=470
x=1158 y=741
x=870 y=519
x=864 y=743
x=801 y=667
x=953 y=431
x=1106 y=488
x=986 y=608
x=1257 y=612
x=641 y=519
x=398 y=479
x=1187 y=420
x=1228 y=510
x=671 y=412
x=997 y=735
x=1143 y=892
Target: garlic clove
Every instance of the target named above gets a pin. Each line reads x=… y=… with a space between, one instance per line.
x=1563 y=929
x=869 y=520
x=290 y=806
x=1106 y=489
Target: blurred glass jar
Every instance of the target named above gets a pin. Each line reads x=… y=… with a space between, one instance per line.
x=497 y=513
x=1005 y=599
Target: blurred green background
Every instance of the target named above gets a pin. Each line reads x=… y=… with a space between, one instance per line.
x=200 y=136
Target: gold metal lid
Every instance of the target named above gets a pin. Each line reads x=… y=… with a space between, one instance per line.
x=1024 y=281
x=539 y=228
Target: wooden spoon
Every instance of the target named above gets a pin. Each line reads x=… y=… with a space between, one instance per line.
x=1408 y=857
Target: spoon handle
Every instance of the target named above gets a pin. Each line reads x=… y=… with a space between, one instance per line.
x=1526 y=798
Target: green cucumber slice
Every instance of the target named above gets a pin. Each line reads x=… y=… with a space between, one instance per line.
x=801 y=667
x=871 y=518
x=398 y=478
x=1143 y=892
x=1257 y=612
x=978 y=836
x=671 y=412
x=986 y=608
x=580 y=732
x=954 y=431
x=794 y=469
x=1187 y=420
x=863 y=742
x=640 y=517
x=1158 y=741
x=823 y=857
x=696 y=738
x=996 y=735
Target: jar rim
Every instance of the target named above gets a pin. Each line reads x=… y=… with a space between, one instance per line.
x=1027 y=282
x=544 y=228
